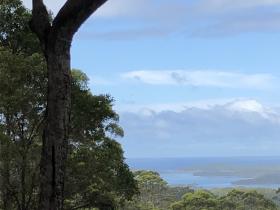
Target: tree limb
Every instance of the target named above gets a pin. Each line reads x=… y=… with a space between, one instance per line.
x=40 y=22
x=73 y=14
x=81 y=206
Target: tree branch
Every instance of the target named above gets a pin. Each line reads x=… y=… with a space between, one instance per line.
x=81 y=206
x=40 y=22
x=73 y=14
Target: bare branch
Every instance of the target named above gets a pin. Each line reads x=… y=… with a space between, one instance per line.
x=40 y=23
x=73 y=14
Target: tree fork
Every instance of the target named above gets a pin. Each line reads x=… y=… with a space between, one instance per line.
x=56 y=39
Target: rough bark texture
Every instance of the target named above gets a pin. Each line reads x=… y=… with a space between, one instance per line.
x=5 y=188
x=56 y=41
x=5 y=173
x=56 y=132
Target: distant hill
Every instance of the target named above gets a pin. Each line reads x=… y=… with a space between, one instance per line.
x=268 y=179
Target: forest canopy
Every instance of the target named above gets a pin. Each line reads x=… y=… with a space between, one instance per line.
x=96 y=173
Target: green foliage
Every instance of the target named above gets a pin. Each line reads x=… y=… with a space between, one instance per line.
x=92 y=117
x=234 y=200
x=22 y=94
x=96 y=172
x=198 y=200
x=250 y=200
x=148 y=179
x=151 y=186
x=22 y=82
x=97 y=175
x=154 y=193
x=15 y=33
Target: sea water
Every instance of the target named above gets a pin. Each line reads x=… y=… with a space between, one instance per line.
x=182 y=171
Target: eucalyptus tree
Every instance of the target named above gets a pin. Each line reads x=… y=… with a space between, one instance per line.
x=96 y=174
x=56 y=37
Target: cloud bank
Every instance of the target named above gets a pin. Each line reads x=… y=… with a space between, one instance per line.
x=240 y=127
x=202 y=78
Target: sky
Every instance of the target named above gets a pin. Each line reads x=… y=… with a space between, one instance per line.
x=189 y=78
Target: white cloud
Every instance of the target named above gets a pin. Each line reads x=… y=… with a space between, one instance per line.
x=151 y=109
x=246 y=105
x=252 y=106
x=202 y=78
x=245 y=124
x=229 y=105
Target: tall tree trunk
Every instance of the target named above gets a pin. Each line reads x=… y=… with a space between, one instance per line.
x=55 y=39
x=7 y=198
x=5 y=172
x=56 y=131
x=23 y=180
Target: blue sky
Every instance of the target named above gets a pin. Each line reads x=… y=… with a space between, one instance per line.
x=190 y=78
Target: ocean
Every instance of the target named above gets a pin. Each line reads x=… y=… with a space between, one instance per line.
x=214 y=172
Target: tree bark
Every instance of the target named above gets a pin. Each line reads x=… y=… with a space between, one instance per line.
x=5 y=172
x=56 y=131
x=7 y=198
x=56 y=41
